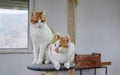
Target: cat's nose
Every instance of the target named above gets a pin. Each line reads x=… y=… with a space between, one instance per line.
x=39 y=26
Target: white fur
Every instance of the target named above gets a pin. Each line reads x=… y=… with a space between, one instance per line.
x=41 y=36
x=65 y=55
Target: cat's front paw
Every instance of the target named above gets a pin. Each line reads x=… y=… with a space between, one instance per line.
x=57 y=66
x=47 y=61
x=67 y=65
x=34 y=62
x=39 y=62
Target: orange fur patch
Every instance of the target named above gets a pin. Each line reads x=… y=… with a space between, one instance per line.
x=63 y=42
x=36 y=16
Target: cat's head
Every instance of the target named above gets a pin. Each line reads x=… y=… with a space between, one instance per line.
x=38 y=18
x=62 y=43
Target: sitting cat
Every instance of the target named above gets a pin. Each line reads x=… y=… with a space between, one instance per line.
x=41 y=36
x=61 y=52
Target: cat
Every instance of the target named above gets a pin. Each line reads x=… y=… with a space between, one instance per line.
x=61 y=52
x=41 y=36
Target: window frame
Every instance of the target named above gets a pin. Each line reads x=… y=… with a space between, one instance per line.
x=22 y=50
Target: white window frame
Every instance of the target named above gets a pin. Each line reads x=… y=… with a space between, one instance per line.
x=22 y=50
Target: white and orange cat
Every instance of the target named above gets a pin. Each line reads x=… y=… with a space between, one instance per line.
x=41 y=36
x=61 y=52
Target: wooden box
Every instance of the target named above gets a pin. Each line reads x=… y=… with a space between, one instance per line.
x=88 y=61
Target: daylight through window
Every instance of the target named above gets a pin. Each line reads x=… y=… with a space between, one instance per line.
x=13 y=28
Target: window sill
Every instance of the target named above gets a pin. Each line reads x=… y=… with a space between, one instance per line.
x=22 y=51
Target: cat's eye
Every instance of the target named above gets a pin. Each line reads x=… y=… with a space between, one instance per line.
x=42 y=20
x=60 y=45
x=35 y=21
x=55 y=44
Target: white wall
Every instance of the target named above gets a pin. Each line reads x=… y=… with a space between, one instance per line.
x=56 y=13
x=98 y=30
x=15 y=64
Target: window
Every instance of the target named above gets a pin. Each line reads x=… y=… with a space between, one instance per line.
x=13 y=28
x=14 y=24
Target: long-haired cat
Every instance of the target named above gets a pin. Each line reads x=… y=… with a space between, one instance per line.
x=41 y=36
x=61 y=52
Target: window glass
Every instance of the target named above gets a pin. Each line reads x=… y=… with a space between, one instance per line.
x=13 y=25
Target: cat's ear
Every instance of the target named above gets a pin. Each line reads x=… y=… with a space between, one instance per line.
x=43 y=12
x=32 y=13
x=58 y=35
x=67 y=38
